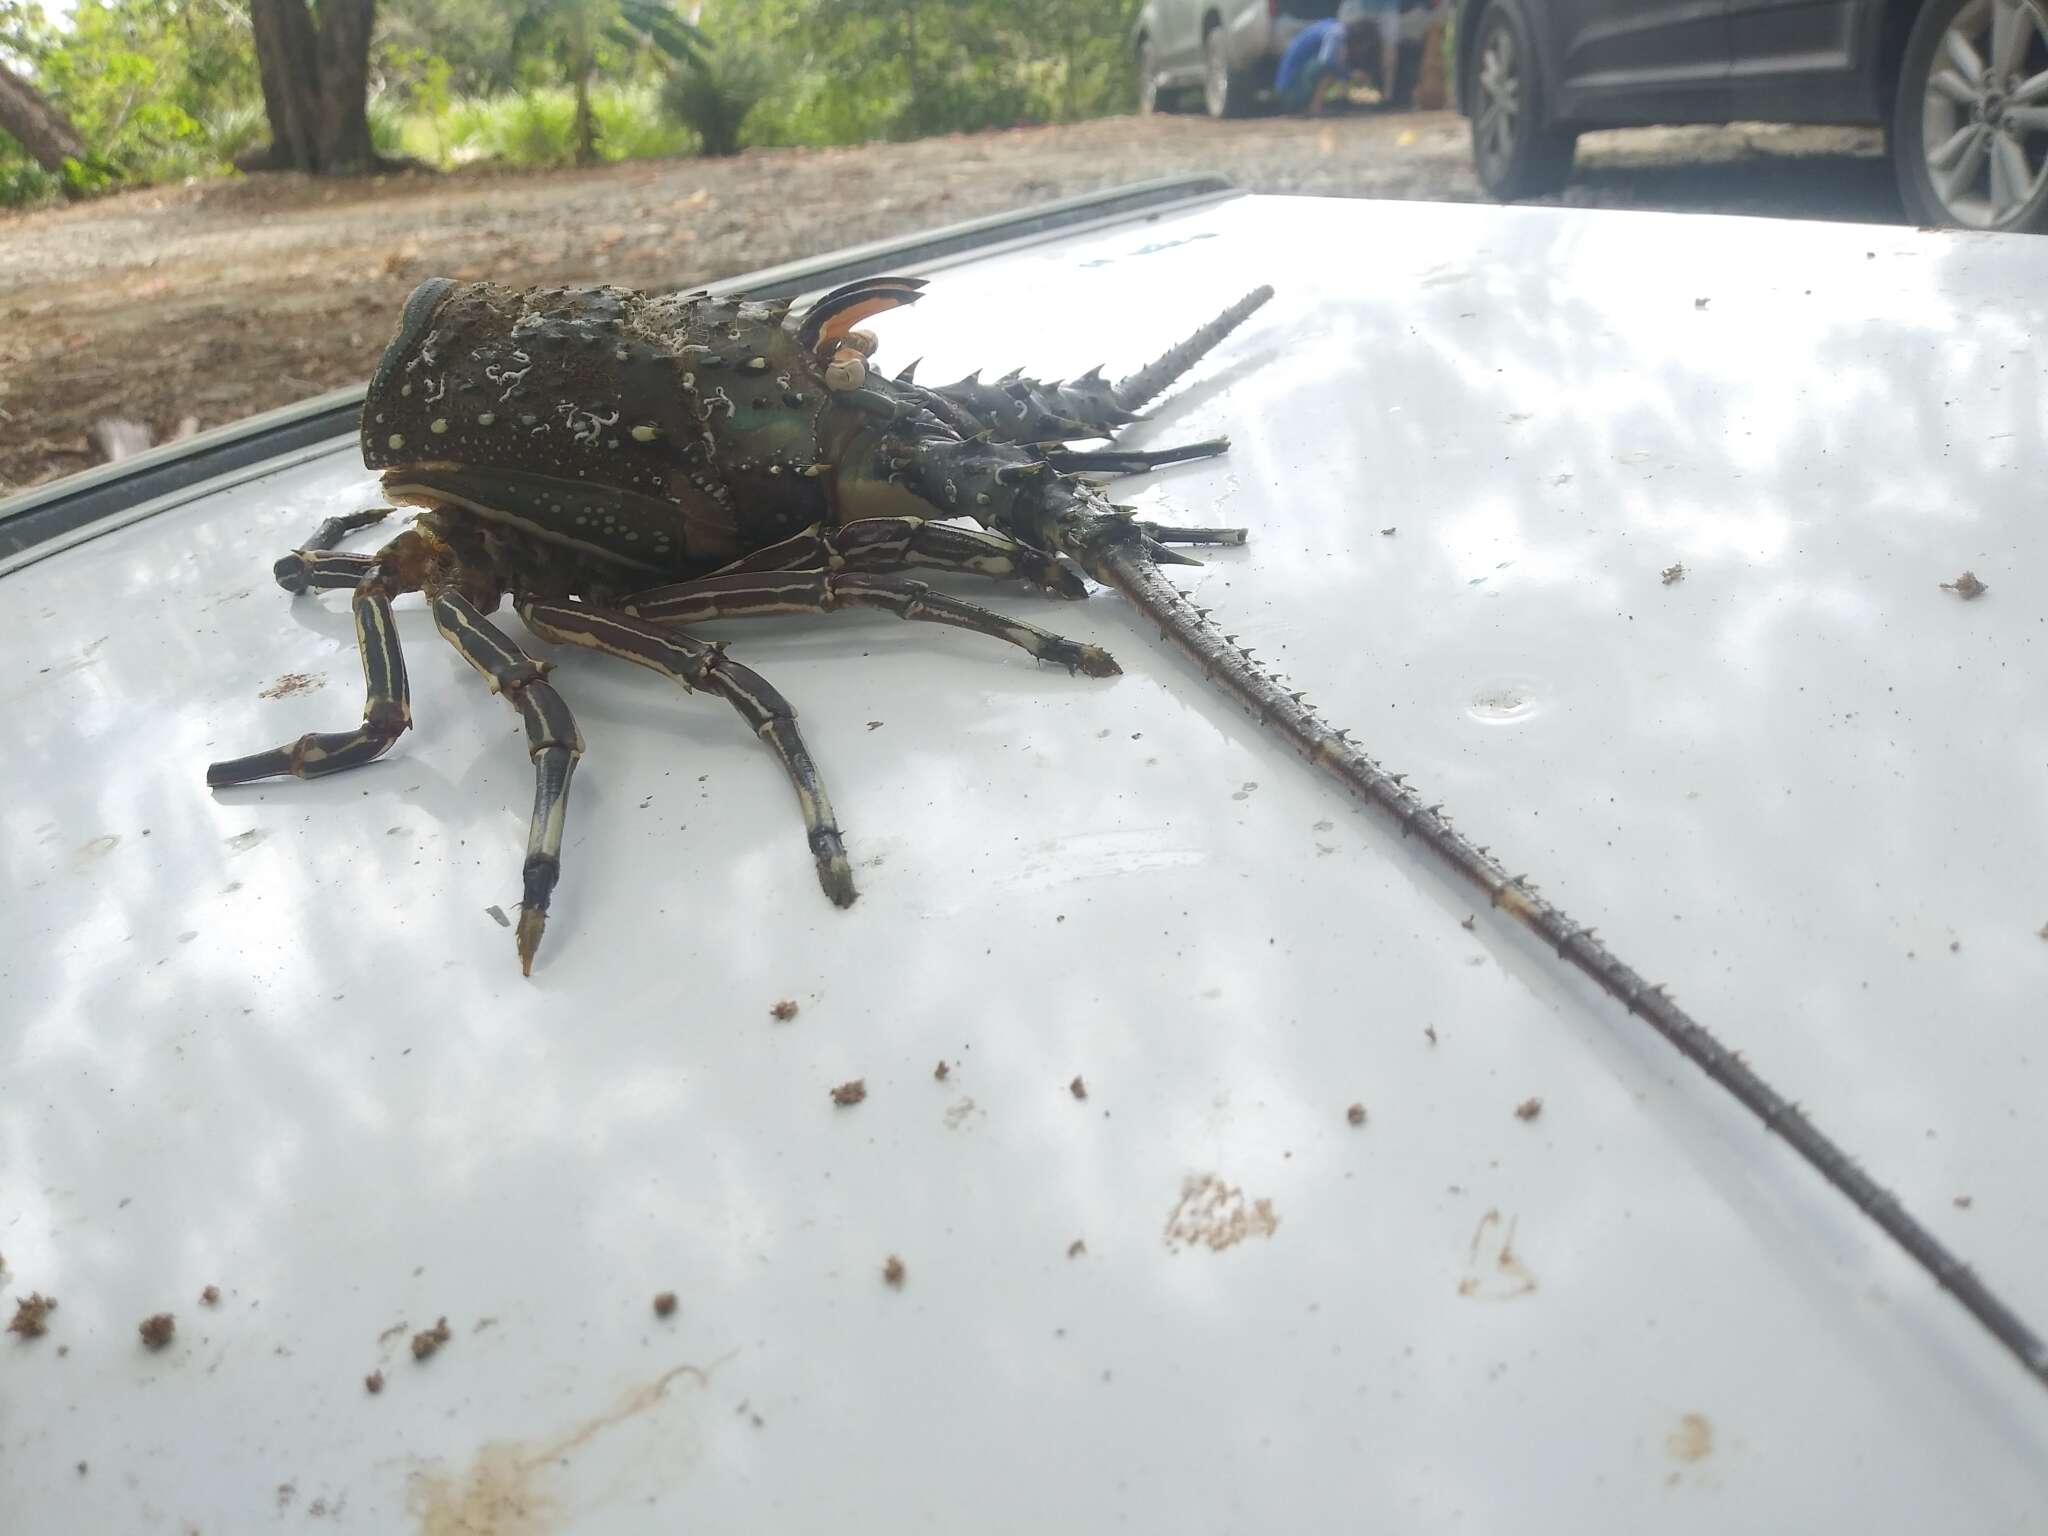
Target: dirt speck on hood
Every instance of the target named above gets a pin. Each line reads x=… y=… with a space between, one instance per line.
x=31 y=1315
x=425 y=1344
x=291 y=684
x=1214 y=1215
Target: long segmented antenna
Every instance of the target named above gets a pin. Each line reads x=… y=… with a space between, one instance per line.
x=1134 y=392
x=1129 y=570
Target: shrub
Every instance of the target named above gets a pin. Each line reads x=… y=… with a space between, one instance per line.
x=714 y=96
x=631 y=124
x=235 y=130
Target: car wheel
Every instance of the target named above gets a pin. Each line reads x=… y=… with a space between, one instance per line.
x=1969 y=130
x=1224 y=91
x=1515 y=151
x=1148 y=79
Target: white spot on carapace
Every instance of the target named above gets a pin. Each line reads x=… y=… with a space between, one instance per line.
x=396 y=440
x=404 y=390
x=645 y=434
x=585 y=425
x=485 y=420
x=438 y=425
x=509 y=377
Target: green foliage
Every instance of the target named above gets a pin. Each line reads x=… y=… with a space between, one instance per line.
x=533 y=128
x=632 y=125
x=140 y=79
x=471 y=38
x=537 y=128
x=235 y=129
x=162 y=89
x=23 y=183
x=578 y=38
x=851 y=70
x=386 y=117
x=713 y=96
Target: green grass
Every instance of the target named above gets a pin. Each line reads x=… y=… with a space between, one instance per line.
x=538 y=128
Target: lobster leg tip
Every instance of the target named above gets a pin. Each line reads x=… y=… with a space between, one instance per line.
x=531 y=922
x=836 y=876
x=1097 y=662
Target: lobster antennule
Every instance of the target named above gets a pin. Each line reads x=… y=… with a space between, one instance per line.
x=839 y=311
x=1132 y=393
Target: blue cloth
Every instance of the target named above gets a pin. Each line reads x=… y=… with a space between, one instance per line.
x=1317 y=49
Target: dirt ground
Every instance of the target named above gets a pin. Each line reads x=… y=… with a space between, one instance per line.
x=215 y=300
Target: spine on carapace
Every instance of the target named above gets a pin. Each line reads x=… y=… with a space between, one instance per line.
x=1014 y=409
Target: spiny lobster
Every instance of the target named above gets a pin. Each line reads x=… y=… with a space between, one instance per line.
x=624 y=466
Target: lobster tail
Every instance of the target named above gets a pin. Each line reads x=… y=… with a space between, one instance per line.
x=1134 y=392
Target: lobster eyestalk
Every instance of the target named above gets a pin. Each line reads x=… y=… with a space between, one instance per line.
x=1121 y=562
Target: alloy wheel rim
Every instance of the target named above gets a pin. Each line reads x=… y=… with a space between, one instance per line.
x=1500 y=97
x=1984 y=115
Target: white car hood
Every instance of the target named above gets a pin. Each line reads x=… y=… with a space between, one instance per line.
x=268 y=1039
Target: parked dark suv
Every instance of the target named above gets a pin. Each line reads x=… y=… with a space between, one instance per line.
x=1959 y=86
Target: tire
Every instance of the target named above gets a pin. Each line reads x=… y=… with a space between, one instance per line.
x=1150 y=97
x=1226 y=92
x=1516 y=151
x=1965 y=150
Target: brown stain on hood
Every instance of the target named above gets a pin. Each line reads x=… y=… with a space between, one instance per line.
x=504 y=1491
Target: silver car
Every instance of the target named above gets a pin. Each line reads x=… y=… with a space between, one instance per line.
x=1229 y=48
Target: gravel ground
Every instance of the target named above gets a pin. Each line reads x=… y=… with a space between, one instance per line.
x=205 y=303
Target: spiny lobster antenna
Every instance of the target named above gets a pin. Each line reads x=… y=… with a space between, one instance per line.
x=1132 y=393
x=1123 y=564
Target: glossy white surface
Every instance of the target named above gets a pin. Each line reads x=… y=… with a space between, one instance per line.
x=268 y=1038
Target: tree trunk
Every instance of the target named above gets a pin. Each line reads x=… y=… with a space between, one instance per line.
x=290 y=74
x=1071 y=86
x=42 y=130
x=586 y=120
x=344 y=58
x=316 y=81
x=910 y=63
